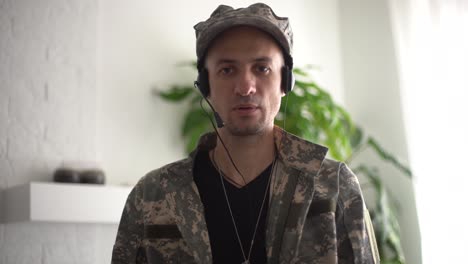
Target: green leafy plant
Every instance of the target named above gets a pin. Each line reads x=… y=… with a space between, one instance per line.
x=312 y=114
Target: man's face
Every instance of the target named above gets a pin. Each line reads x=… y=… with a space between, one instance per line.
x=244 y=67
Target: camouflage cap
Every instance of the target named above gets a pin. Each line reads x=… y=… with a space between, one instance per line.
x=257 y=15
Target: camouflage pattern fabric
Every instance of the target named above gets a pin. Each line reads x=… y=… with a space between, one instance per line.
x=317 y=213
x=258 y=15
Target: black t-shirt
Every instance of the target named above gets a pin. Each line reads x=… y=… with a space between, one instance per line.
x=245 y=205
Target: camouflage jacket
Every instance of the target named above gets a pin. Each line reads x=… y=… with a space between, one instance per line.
x=317 y=213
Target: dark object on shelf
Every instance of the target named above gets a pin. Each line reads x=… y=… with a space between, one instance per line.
x=66 y=175
x=94 y=176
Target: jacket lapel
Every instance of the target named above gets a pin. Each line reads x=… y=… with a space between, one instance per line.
x=281 y=194
x=291 y=195
x=187 y=209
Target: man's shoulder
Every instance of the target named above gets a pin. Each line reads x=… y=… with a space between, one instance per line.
x=181 y=165
x=331 y=164
x=338 y=171
x=159 y=177
x=337 y=177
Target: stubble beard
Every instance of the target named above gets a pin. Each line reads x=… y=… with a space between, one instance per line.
x=253 y=130
x=256 y=128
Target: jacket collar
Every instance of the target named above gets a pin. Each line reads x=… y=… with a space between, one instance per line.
x=299 y=162
x=294 y=151
x=298 y=153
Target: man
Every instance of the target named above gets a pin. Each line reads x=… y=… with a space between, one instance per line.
x=251 y=192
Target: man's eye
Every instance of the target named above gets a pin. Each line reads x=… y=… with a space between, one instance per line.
x=263 y=69
x=225 y=70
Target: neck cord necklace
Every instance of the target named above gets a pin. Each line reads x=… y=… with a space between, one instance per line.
x=246 y=258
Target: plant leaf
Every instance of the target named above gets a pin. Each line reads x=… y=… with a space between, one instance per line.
x=191 y=63
x=387 y=229
x=176 y=93
x=194 y=119
x=388 y=157
x=356 y=137
x=300 y=72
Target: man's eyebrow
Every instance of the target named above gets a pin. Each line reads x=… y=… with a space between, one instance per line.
x=259 y=59
x=222 y=61
x=263 y=59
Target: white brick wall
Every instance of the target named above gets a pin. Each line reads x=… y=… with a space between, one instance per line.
x=54 y=243
x=48 y=86
x=2 y=242
x=47 y=115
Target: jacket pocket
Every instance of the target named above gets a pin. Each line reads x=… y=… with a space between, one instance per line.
x=164 y=244
x=162 y=231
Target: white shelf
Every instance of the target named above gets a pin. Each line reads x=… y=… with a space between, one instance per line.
x=64 y=202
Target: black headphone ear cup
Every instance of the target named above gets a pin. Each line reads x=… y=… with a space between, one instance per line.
x=292 y=80
x=203 y=83
x=287 y=79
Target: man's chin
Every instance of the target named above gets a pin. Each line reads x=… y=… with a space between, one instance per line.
x=246 y=131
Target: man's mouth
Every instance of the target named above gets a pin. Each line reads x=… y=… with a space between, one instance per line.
x=245 y=108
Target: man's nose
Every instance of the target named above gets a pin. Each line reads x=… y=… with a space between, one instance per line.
x=246 y=84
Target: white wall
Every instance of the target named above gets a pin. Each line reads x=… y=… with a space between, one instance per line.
x=47 y=89
x=432 y=61
x=47 y=115
x=372 y=95
x=139 y=45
